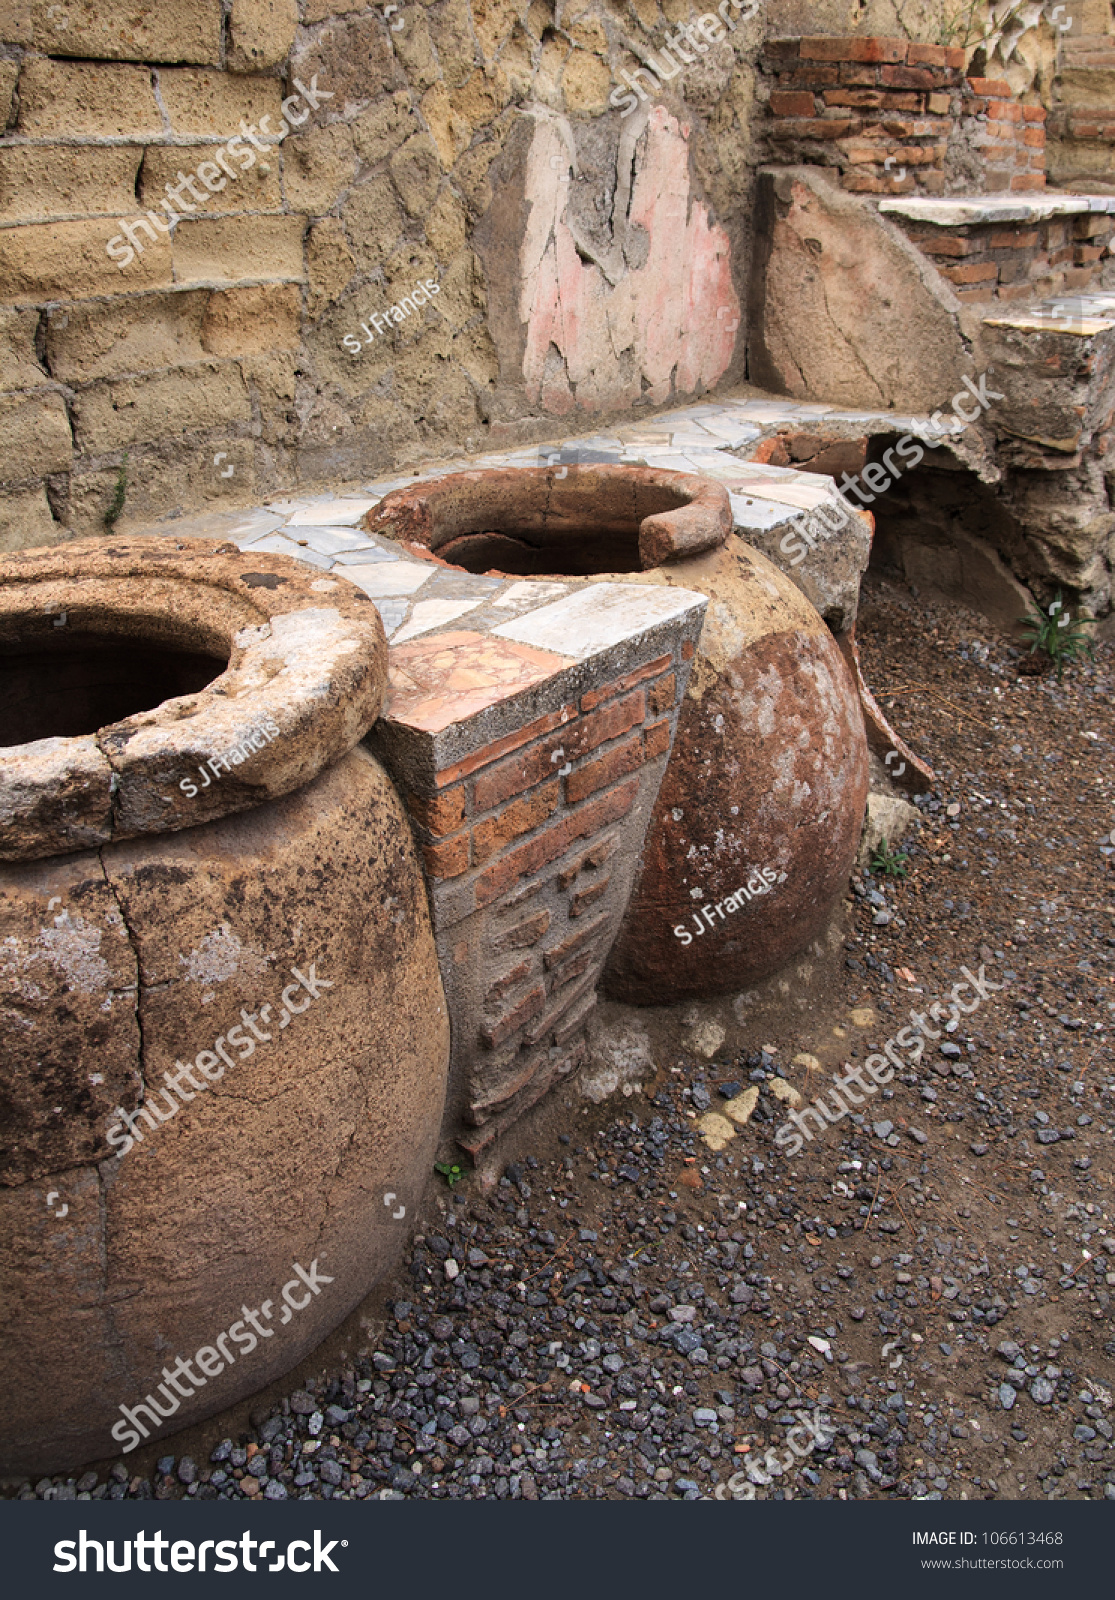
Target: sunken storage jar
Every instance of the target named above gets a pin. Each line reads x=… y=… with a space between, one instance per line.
x=759 y=815
x=225 y=1041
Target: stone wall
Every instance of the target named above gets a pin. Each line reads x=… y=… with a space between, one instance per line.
x=227 y=358
x=1082 y=114
x=214 y=353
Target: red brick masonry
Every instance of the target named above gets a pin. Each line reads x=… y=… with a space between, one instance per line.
x=854 y=103
x=1023 y=261
x=522 y=844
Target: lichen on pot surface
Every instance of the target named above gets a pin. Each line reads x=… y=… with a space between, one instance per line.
x=226 y=1041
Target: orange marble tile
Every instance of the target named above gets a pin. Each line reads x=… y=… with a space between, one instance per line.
x=446 y=679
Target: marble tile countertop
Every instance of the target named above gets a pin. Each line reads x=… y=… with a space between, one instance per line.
x=461 y=645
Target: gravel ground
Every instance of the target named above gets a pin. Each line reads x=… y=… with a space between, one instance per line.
x=629 y=1312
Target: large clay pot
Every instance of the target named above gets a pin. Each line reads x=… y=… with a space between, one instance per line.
x=769 y=767
x=768 y=775
x=225 y=1039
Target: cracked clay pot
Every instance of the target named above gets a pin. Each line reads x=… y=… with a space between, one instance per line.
x=225 y=1040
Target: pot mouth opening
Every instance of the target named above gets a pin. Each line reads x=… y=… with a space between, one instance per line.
x=568 y=553
x=77 y=682
x=550 y=528
x=580 y=521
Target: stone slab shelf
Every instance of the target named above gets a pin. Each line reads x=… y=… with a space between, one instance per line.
x=996 y=208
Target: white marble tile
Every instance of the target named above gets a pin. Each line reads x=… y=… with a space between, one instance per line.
x=280 y=546
x=390 y=577
x=429 y=614
x=527 y=596
x=768 y=411
x=734 y=434
x=802 y=495
x=367 y=553
x=691 y=438
x=669 y=460
x=254 y=525
x=331 y=513
x=597 y=617
x=392 y=614
x=326 y=541
x=753 y=515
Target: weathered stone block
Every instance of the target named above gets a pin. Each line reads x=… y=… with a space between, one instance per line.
x=330 y=264
x=162 y=478
x=414 y=50
x=450 y=130
x=26 y=520
x=257 y=188
x=19 y=364
x=79 y=98
x=119 y=30
x=318 y=167
x=34 y=437
x=416 y=170
x=352 y=59
x=374 y=218
x=844 y=305
x=495 y=20
x=228 y=248
x=454 y=40
x=261 y=33
x=383 y=127
x=9 y=72
x=101 y=339
x=38 y=182
x=217 y=102
x=586 y=84
x=110 y=416
x=253 y=320
x=61 y=260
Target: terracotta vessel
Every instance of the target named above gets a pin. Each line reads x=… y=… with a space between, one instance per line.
x=769 y=768
x=225 y=1039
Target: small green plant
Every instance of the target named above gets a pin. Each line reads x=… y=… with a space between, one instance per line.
x=889 y=862
x=118 y=496
x=451 y=1174
x=996 y=26
x=1059 y=636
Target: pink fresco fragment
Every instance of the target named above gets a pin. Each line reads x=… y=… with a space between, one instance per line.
x=666 y=328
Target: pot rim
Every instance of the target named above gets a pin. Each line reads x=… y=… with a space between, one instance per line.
x=305 y=680
x=544 y=498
